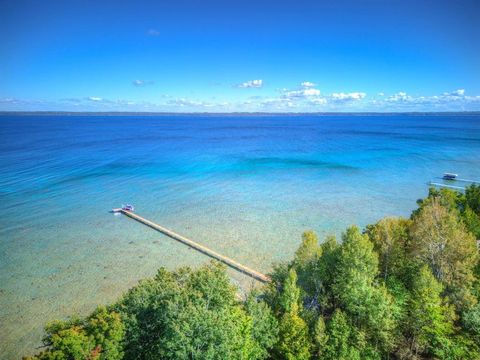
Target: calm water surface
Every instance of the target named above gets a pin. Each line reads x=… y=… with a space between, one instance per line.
x=245 y=186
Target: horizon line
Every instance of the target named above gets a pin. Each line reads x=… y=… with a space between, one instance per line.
x=237 y=113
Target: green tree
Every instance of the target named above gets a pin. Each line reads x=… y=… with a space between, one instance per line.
x=472 y=198
x=320 y=337
x=466 y=206
x=305 y=263
x=265 y=326
x=440 y=240
x=100 y=336
x=194 y=315
x=430 y=323
x=369 y=306
x=108 y=331
x=450 y=199
x=294 y=343
x=324 y=275
x=309 y=250
x=290 y=296
x=143 y=312
x=339 y=345
x=471 y=321
x=67 y=341
x=472 y=221
x=391 y=241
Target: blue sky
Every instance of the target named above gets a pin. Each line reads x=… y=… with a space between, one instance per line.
x=221 y=56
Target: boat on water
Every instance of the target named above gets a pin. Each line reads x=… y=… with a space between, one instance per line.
x=449 y=176
x=128 y=207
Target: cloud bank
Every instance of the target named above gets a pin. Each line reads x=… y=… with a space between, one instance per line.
x=304 y=98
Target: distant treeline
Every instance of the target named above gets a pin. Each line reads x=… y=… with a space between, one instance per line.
x=401 y=289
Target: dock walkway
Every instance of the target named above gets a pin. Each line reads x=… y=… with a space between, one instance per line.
x=203 y=249
x=449 y=185
x=440 y=185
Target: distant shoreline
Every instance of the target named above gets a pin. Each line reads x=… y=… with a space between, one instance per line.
x=124 y=113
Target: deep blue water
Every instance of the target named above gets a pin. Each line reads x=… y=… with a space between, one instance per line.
x=245 y=186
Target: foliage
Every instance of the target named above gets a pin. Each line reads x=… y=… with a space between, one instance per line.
x=308 y=251
x=430 y=322
x=305 y=262
x=404 y=289
x=194 y=315
x=325 y=275
x=294 y=342
x=367 y=304
x=441 y=241
x=472 y=198
x=320 y=337
x=472 y=221
x=471 y=322
x=391 y=241
x=265 y=325
x=340 y=342
x=290 y=296
x=99 y=337
x=465 y=205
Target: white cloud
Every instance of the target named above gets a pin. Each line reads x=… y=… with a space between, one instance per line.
x=307 y=84
x=7 y=100
x=153 y=32
x=271 y=104
x=319 y=101
x=197 y=104
x=251 y=84
x=140 y=83
x=311 y=92
x=302 y=93
x=399 y=97
x=185 y=102
x=455 y=100
x=308 y=96
x=302 y=99
x=381 y=94
x=459 y=92
x=353 y=96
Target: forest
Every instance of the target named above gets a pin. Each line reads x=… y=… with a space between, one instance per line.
x=402 y=288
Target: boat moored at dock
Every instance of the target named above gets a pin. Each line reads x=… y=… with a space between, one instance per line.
x=126 y=207
x=449 y=176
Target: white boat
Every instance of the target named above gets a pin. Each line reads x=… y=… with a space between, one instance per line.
x=449 y=176
x=128 y=207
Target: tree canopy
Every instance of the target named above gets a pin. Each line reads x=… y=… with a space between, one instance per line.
x=399 y=289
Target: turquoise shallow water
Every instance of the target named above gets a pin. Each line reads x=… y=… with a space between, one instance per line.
x=245 y=186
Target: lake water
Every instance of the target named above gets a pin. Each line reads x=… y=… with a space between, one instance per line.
x=244 y=186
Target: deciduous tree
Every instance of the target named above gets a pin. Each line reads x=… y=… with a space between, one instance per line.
x=440 y=240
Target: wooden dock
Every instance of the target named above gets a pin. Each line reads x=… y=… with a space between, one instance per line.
x=451 y=182
x=471 y=182
x=203 y=249
x=431 y=183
